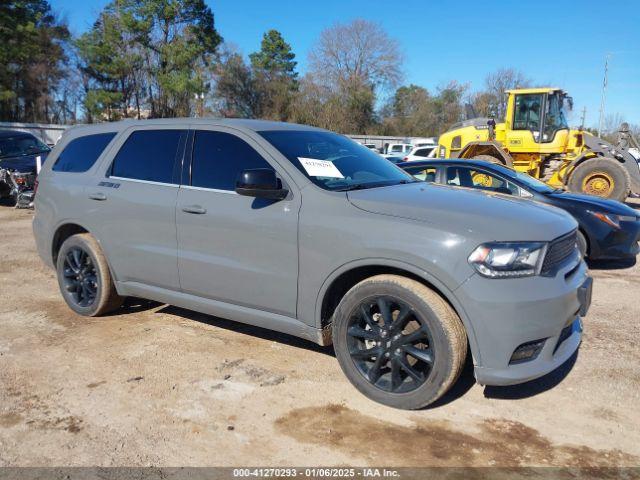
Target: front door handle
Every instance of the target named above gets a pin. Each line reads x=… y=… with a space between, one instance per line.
x=195 y=209
x=98 y=196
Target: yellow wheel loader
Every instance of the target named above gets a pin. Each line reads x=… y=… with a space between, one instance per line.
x=535 y=138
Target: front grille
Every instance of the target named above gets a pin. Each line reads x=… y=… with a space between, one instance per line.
x=559 y=250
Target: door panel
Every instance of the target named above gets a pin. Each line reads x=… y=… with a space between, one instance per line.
x=233 y=248
x=137 y=215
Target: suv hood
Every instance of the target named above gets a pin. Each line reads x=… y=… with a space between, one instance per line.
x=488 y=216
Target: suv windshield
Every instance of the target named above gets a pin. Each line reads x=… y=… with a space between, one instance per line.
x=334 y=162
x=20 y=146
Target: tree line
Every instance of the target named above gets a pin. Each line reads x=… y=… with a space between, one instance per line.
x=165 y=58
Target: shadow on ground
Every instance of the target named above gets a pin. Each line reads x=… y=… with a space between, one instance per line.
x=611 y=264
x=246 y=329
x=460 y=388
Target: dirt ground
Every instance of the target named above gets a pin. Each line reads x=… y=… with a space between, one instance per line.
x=159 y=385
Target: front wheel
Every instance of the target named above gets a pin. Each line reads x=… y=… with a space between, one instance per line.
x=398 y=341
x=602 y=177
x=84 y=277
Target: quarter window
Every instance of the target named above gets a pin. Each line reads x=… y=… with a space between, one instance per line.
x=81 y=153
x=218 y=159
x=426 y=174
x=149 y=155
x=423 y=152
x=480 y=180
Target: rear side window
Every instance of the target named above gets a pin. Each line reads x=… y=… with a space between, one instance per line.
x=150 y=155
x=218 y=159
x=80 y=154
x=423 y=152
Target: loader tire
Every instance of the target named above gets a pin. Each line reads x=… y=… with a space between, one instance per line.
x=603 y=177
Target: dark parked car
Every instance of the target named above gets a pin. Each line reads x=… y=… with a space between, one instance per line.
x=607 y=229
x=19 y=152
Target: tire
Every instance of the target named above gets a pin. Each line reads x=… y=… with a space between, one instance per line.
x=433 y=332
x=583 y=246
x=84 y=277
x=602 y=177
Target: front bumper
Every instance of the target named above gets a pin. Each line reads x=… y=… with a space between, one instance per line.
x=615 y=244
x=506 y=314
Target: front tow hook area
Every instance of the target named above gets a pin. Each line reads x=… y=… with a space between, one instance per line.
x=584 y=296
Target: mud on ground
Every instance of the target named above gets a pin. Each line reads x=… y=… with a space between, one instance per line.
x=159 y=385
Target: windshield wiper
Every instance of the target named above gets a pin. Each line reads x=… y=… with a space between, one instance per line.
x=355 y=186
x=363 y=186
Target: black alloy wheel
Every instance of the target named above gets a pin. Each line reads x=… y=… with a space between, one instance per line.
x=390 y=344
x=80 y=277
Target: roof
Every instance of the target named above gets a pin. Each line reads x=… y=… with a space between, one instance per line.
x=12 y=133
x=446 y=161
x=534 y=90
x=239 y=123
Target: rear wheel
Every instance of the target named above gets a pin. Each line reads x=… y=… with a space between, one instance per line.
x=398 y=341
x=602 y=177
x=84 y=277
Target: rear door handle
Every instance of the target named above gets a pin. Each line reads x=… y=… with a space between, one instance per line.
x=195 y=209
x=98 y=196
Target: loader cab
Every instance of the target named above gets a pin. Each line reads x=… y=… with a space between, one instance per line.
x=536 y=120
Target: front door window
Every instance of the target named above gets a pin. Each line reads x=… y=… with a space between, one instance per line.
x=528 y=113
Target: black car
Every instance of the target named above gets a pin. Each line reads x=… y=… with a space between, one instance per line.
x=19 y=153
x=607 y=229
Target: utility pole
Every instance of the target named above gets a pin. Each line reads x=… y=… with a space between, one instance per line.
x=604 y=94
x=582 y=119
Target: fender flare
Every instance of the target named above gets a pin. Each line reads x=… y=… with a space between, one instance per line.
x=491 y=145
x=71 y=221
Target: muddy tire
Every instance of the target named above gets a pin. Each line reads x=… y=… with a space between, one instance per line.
x=602 y=177
x=583 y=246
x=398 y=341
x=84 y=277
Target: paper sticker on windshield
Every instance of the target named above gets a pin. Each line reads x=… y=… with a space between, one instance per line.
x=320 y=168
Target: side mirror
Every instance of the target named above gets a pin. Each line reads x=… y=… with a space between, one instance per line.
x=260 y=183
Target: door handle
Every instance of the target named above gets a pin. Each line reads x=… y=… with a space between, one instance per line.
x=98 y=196
x=195 y=209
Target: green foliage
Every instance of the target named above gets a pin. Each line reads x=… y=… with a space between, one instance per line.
x=266 y=88
x=275 y=57
x=151 y=53
x=237 y=89
x=32 y=57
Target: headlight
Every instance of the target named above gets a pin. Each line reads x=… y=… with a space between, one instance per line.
x=508 y=260
x=611 y=219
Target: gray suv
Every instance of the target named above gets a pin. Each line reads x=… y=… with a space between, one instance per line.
x=304 y=231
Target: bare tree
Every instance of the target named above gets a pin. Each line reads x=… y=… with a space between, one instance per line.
x=498 y=82
x=612 y=122
x=359 y=52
